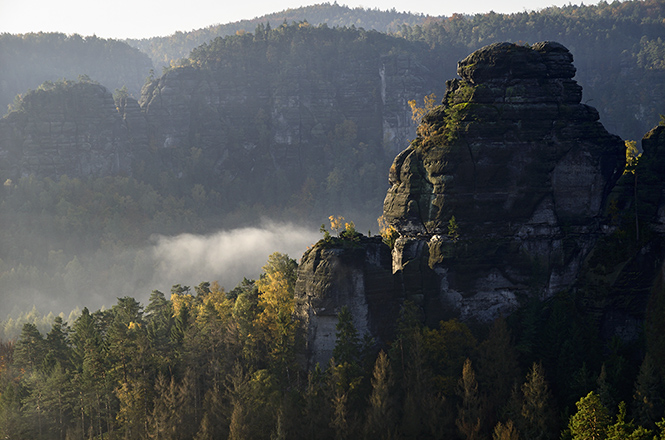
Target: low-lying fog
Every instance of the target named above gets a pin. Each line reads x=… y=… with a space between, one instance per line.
x=96 y=280
x=226 y=256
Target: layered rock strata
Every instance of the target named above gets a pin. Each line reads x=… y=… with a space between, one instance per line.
x=345 y=273
x=500 y=198
x=71 y=129
x=503 y=189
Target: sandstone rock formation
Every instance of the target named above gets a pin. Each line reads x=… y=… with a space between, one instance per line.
x=523 y=168
x=66 y=128
x=355 y=274
x=279 y=119
x=500 y=198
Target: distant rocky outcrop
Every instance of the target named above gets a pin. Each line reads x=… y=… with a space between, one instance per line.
x=277 y=117
x=297 y=117
x=67 y=128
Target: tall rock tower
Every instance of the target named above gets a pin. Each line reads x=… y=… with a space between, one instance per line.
x=501 y=194
x=499 y=198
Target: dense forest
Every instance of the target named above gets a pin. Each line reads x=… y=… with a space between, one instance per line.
x=617 y=46
x=167 y=49
x=206 y=363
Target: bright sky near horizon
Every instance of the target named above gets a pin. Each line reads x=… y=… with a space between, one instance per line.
x=149 y=18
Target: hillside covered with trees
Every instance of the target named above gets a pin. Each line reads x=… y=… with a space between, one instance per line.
x=617 y=46
x=28 y=60
x=168 y=49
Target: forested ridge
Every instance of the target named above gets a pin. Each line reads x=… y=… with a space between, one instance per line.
x=167 y=49
x=617 y=46
x=28 y=60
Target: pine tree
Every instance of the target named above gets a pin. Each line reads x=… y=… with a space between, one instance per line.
x=506 y=431
x=58 y=346
x=159 y=323
x=239 y=428
x=591 y=420
x=469 y=412
x=604 y=389
x=347 y=346
x=648 y=402
x=536 y=419
x=30 y=348
x=623 y=430
x=316 y=413
x=213 y=424
x=497 y=370
x=163 y=420
x=380 y=414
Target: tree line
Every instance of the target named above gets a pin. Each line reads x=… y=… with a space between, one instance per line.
x=205 y=363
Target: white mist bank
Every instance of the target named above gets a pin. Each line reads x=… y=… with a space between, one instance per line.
x=96 y=279
x=225 y=256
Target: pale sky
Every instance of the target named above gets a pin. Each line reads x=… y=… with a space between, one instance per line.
x=148 y=18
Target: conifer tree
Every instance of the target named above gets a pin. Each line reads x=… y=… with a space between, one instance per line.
x=380 y=414
x=626 y=430
x=58 y=350
x=469 y=412
x=317 y=406
x=604 y=389
x=505 y=431
x=30 y=348
x=497 y=370
x=239 y=428
x=537 y=419
x=347 y=345
x=213 y=423
x=340 y=414
x=648 y=402
x=591 y=420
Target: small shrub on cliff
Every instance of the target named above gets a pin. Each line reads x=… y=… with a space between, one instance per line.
x=344 y=235
x=349 y=232
x=453 y=229
x=326 y=235
x=417 y=113
x=388 y=232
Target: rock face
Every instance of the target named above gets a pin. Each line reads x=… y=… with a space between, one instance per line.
x=249 y=124
x=503 y=189
x=500 y=197
x=355 y=274
x=651 y=190
x=71 y=129
x=303 y=118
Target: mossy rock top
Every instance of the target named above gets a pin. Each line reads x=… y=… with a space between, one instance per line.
x=508 y=61
x=511 y=133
